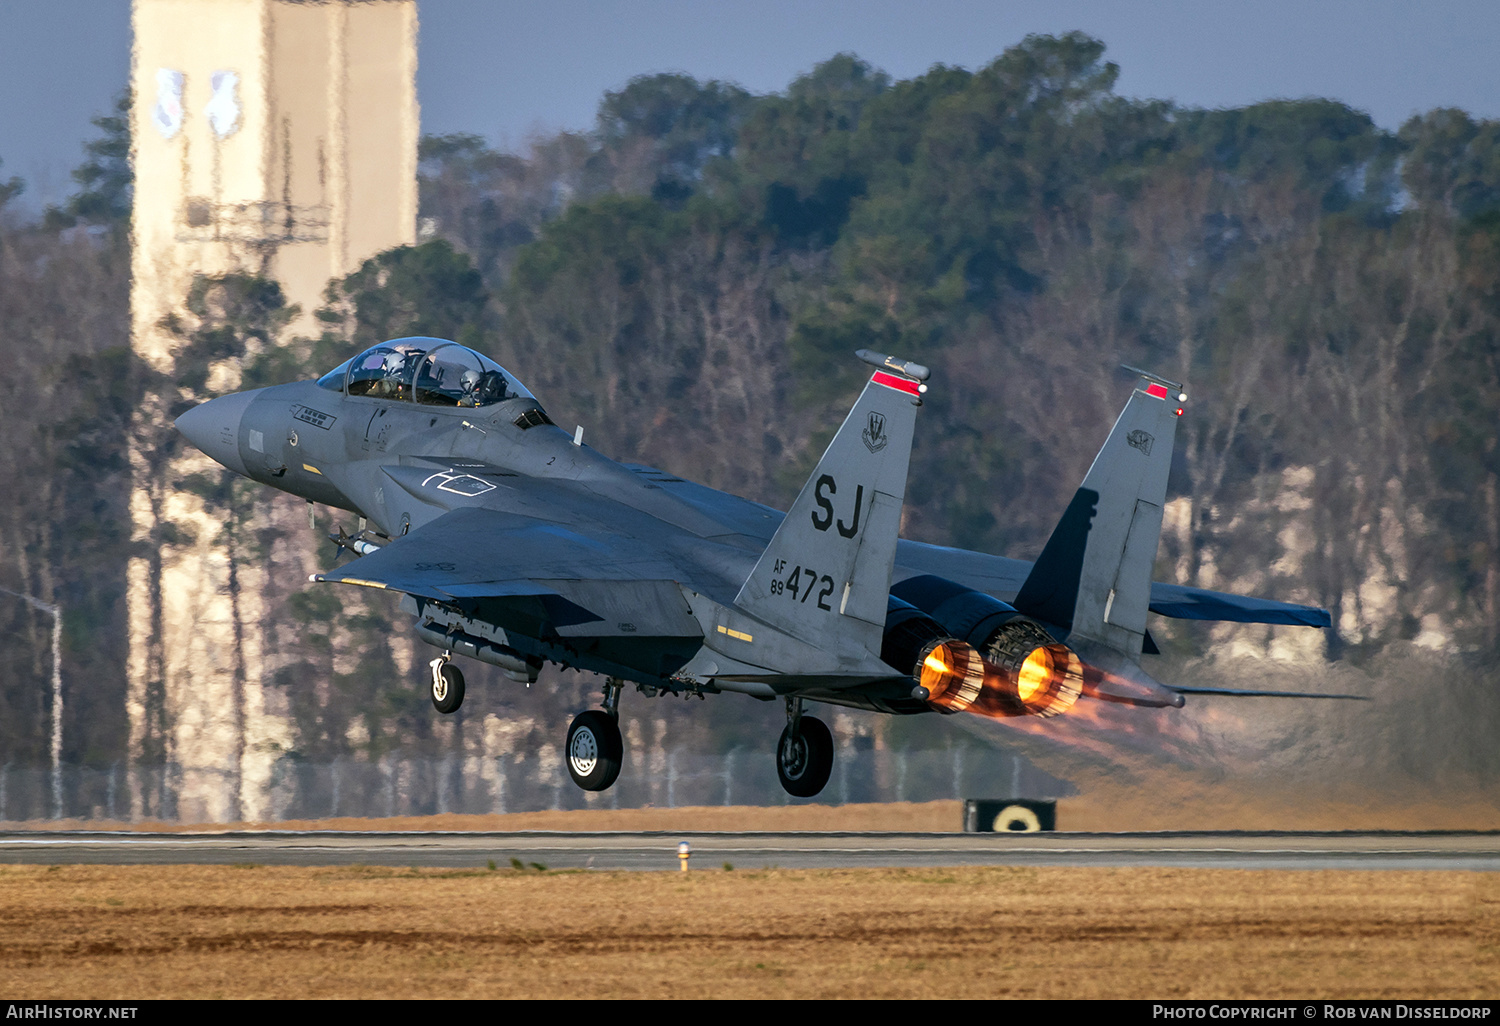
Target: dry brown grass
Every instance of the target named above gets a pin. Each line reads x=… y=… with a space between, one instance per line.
x=200 y=931
x=1104 y=808
x=909 y=816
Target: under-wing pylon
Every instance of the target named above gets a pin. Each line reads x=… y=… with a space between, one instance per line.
x=513 y=543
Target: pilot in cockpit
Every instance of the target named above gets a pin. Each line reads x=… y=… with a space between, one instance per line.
x=396 y=372
x=444 y=374
x=480 y=388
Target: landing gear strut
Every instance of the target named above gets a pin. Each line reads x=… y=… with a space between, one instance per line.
x=804 y=756
x=447 y=684
x=595 y=749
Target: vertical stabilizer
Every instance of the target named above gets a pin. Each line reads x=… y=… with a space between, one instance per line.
x=826 y=575
x=1094 y=575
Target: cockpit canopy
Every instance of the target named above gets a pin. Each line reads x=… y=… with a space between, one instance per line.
x=429 y=371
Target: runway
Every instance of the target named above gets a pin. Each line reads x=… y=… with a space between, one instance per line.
x=1448 y=850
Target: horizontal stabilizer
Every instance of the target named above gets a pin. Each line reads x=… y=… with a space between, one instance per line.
x=1183 y=603
x=1248 y=693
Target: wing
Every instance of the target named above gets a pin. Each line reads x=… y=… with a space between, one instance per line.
x=474 y=539
x=588 y=582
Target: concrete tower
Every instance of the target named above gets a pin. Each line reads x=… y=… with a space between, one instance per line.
x=274 y=137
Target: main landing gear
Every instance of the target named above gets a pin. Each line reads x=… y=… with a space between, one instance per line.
x=447 y=684
x=595 y=749
x=804 y=756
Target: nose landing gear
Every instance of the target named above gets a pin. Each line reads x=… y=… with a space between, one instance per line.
x=804 y=755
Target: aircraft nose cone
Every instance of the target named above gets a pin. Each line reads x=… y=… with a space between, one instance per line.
x=214 y=428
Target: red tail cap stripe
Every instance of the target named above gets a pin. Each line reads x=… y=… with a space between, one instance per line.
x=1160 y=391
x=900 y=384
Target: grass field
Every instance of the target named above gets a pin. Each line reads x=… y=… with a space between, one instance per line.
x=260 y=931
x=1105 y=809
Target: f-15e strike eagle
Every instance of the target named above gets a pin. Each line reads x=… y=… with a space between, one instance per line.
x=515 y=544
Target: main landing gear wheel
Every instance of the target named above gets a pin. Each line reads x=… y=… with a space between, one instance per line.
x=804 y=757
x=594 y=750
x=447 y=685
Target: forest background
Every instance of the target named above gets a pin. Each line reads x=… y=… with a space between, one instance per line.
x=688 y=281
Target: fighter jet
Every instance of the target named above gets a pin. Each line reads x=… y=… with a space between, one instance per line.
x=514 y=543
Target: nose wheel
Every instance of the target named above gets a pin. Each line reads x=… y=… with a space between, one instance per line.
x=804 y=756
x=447 y=684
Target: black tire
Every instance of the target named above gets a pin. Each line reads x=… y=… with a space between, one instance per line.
x=804 y=762
x=447 y=688
x=594 y=750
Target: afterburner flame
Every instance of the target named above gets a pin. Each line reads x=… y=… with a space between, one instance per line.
x=1110 y=731
x=1050 y=680
x=1036 y=671
x=1047 y=682
x=953 y=675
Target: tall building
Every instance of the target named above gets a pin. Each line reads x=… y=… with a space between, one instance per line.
x=272 y=137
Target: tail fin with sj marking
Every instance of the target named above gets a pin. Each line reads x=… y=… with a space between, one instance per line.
x=826 y=575
x=1094 y=575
